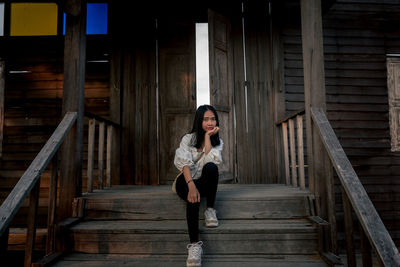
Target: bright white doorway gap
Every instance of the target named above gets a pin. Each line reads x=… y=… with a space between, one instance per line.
x=1 y=19
x=202 y=65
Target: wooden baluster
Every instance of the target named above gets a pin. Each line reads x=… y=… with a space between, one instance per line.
x=300 y=151
x=50 y=242
x=349 y=230
x=286 y=151
x=365 y=249
x=4 y=243
x=31 y=231
x=109 y=153
x=91 y=138
x=292 y=152
x=101 y=154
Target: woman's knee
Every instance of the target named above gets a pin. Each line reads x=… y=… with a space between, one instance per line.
x=211 y=168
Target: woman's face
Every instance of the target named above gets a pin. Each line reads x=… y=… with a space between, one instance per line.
x=209 y=121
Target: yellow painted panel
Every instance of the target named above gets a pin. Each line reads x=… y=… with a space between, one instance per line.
x=33 y=19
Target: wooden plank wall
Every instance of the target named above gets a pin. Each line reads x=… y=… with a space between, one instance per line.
x=256 y=161
x=33 y=105
x=357 y=37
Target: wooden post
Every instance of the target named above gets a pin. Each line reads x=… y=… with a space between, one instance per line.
x=101 y=155
x=349 y=230
x=300 y=151
x=293 y=152
x=91 y=140
x=366 y=249
x=50 y=242
x=73 y=100
x=286 y=152
x=2 y=78
x=31 y=231
x=320 y=167
x=4 y=243
x=109 y=154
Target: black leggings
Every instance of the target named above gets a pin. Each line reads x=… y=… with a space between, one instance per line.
x=207 y=186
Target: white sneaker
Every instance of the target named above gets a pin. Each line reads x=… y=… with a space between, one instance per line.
x=210 y=215
x=194 y=254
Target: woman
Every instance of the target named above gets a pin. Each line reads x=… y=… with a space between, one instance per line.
x=197 y=158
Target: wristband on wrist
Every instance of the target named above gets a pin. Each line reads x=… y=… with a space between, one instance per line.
x=188 y=182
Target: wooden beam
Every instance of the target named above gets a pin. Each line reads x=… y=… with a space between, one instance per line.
x=320 y=167
x=73 y=100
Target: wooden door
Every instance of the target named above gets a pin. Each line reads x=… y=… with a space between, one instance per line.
x=177 y=90
x=221 y=86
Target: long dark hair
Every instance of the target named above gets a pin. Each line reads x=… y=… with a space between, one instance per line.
x=198 y=127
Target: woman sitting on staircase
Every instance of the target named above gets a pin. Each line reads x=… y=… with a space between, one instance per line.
x=197 y=158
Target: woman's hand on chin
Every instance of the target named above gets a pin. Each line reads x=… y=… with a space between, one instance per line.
x=213 y=131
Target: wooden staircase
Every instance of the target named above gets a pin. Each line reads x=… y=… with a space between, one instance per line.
x=145 y=226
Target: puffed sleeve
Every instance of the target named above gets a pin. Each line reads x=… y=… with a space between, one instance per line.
x=215 y=154
x=183 y=156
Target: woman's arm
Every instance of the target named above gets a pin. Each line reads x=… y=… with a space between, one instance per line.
x=207 y=139
x=193 y=195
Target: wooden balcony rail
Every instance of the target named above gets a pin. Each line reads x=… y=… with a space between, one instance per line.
x=294 y=170
x=29 y=183
x=372 y=231
x=91 y=150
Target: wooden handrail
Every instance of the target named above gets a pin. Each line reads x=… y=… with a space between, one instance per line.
x=291 y=116
x=99 y=118
x=364 y=209
x=31 y=176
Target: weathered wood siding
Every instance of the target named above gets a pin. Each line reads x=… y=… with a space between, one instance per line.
x=33 y=104
x=256 y=161
x=357 y=37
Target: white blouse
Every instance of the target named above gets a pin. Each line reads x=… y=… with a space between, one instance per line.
x=187 y=155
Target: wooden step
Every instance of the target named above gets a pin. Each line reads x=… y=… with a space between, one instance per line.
x=100 y=260
x=233 y=202
x=246 y=237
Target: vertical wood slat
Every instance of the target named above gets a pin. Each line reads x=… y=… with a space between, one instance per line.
x=366 y=249
x=292 y=152
x=300 y=151
x=91 y=139
x=101 y=155
x=31 y=225
x=50 y=241
x=4 y=243
x=109 y=154
x=331 y=208
x=286 y=151
x=349 y=230
x=2 y=78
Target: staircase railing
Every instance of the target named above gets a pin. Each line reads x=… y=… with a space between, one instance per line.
x=373 y=233
x=29 y=183
x=294 y=166
x=103 y=180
